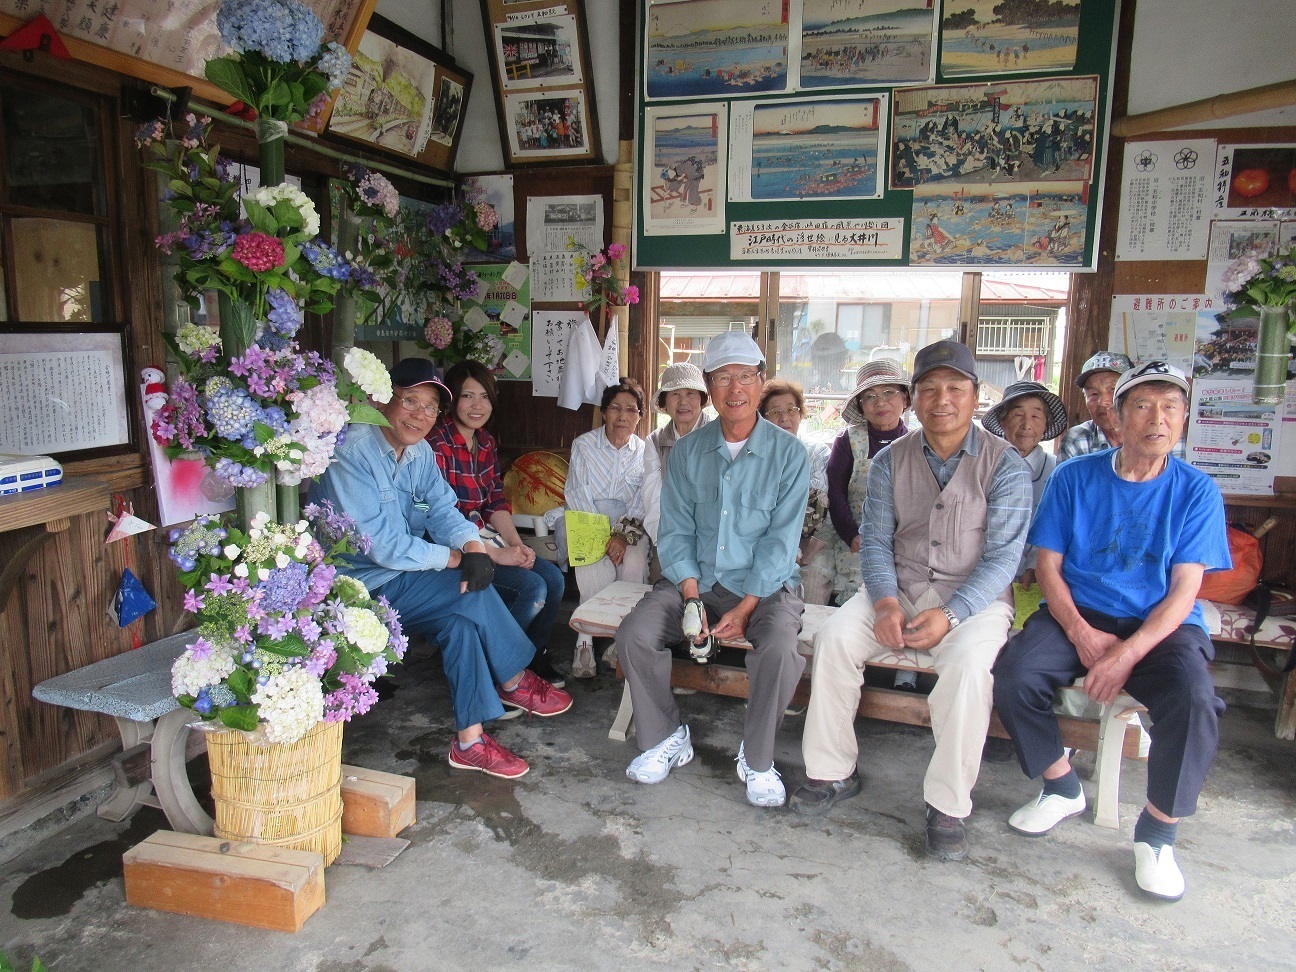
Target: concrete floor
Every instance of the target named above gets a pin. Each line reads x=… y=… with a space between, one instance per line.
x=574 y=867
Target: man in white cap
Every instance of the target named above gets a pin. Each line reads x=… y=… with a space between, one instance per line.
x=945 y=519
x=1124 y=537
x=1097 y=380
x=682 y=396
x=732 y=504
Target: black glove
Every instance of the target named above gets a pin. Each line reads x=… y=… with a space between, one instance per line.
x=478 y=570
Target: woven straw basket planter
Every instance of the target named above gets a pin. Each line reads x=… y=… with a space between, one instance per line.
x=288 y=795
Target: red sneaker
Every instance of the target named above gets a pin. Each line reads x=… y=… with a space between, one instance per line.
x=536 y=696
x=490 y=758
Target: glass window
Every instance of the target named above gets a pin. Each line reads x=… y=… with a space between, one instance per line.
x=56 y=270
x=52 y=152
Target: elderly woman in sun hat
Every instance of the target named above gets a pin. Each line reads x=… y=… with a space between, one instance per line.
x=682 y=396
x=874 y=417
x=1027 y=415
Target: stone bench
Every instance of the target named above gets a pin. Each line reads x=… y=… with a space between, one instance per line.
x=135 y=688
x=1110 y=736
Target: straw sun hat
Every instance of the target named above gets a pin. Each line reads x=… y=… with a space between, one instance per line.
x=872 y=375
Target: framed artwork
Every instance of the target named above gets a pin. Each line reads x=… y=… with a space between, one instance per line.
x=403 y=96
x=543 y=85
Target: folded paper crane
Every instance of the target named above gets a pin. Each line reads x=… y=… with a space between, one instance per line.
x=38 y=34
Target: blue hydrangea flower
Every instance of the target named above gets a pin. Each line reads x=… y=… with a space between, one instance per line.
x=232 y=412
x=285 y=315
x=326 y=260
x=285 y=588
x=282 y=30
x=336 y=63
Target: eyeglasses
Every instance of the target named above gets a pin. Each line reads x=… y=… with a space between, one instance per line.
x=413 y=405
x=724 y=379
x=781 y=413
x=874 y=398
x=622 y=410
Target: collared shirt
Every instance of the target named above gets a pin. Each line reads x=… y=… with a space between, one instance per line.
x=1008 y=516
x=473 y=474
x=405 y=506
x=734 y=522
x=604 y=479
x=660 y=442
x=1082 y=440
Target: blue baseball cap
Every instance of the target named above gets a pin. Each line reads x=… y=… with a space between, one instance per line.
x=412 y=372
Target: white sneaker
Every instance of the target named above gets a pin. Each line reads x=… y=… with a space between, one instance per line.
x=1045 y=812
x=763 y=789
x=654 y=765
x=1157 y=873
x=583 y=658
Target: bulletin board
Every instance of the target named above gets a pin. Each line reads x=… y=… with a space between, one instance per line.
x=777 y=134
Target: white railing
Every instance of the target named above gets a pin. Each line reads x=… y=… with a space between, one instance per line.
x=1014 y=335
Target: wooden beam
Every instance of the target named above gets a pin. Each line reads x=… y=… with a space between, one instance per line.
x=1280 y=94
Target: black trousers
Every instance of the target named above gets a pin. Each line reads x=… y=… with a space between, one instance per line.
x=1172 y=681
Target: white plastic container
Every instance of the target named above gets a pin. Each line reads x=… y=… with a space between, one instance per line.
x=18 y=474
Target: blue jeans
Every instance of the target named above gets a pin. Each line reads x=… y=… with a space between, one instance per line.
x=533 y=596
x=481 y=645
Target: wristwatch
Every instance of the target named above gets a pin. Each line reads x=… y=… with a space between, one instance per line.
x=950 y=616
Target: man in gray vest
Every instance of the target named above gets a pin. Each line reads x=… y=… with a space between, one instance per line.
x=944 y=522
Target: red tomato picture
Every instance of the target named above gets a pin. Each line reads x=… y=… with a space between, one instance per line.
x=1251 y=182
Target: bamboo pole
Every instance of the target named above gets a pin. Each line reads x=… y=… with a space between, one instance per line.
x=1267 y=96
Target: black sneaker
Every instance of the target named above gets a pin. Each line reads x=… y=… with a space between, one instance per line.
x=542 y=665
x=816 y=797
x=946 y=836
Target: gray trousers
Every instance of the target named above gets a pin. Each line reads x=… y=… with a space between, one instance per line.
x=774 y=666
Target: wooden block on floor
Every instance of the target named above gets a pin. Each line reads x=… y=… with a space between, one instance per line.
x=375 y=804
x=248 y=884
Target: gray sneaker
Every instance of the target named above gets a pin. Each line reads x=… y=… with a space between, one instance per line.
x=946 y=836
x=816 y=797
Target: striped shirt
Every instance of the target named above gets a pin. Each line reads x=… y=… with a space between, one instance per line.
x=604 y=479
x=1008 y=517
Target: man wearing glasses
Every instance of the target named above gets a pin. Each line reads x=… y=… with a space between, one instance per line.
x=945 y=518
x=732 y=503
x=428 y=560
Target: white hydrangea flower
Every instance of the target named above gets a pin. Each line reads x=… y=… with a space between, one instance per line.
x=364 y=630
x=190 y=675
x=289 y=704
x=369 y=373
x=267 y=196
x=348 y=587
x=194 y=339
x=232 y=550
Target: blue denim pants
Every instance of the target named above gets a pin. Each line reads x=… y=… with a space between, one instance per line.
x=533 y=596
x=481 y=645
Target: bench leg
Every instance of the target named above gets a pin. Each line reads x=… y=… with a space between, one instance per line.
x=171 y=778
x=623 y=724
x=125 y=800
x=1285 y=724
x=1111 y=740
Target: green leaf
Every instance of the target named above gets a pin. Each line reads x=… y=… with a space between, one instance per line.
x=227 y=74
x=366 y=414
x=241 y=683
x=278 y=94
x=291 y=646
x=286 y=214
x=243 y=321
x=262 y=432
x=240 y=717
x=291 y=254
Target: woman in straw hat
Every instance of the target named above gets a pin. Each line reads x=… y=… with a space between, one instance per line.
x=874 y=418
x=682 y=396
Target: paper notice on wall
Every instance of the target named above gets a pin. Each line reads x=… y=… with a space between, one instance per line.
x=553 y=277
x=1232 y=439
x=610 y=368
x=553 y=220
x=1166 y=200
x=818 y=239
x=1230 y=239
x=61 y=401
x=550 y=333
x=1157 y=327
x=1254 y=182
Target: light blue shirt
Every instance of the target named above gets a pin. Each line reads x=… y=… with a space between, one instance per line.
x=734 y=522
x=406 y=507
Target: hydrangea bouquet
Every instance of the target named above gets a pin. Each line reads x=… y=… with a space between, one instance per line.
x=1262 y=279
x=284 y=640
x=597 y=274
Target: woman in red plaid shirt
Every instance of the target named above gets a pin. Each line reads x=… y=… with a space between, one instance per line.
x=531 y=587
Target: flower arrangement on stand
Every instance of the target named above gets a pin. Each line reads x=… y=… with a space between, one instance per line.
x=366 y=242
x=1267 y=282
x=598 y=273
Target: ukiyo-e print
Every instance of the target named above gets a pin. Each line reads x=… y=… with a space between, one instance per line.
x=1015 y=224
x=1005 y=36
x=685 y=164
x=854 y=42
x=1015 y=131
x=825 y=148
x=715 y=47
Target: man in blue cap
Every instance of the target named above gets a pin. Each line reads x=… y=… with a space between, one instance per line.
x=428 y=560
x=732 y=504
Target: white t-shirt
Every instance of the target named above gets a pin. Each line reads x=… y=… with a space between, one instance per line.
x=735 y=447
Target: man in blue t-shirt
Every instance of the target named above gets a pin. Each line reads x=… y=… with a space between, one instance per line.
x=1124 y=536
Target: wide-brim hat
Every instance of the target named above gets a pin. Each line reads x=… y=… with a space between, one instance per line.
x=412 y=372
x=678 y=377
x=872 y=375
x=1151 y=371
x=732 y=347
x=1053 y=407
x=1112 y=361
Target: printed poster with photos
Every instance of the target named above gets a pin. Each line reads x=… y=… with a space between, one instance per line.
x=1159 y=327
x=1255 y=182
x=826 y=148
x=1231 y=438
x=684 y=188
x=538 y=49
x=502 y=307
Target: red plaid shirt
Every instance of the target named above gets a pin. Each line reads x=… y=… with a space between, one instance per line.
x=474 y=476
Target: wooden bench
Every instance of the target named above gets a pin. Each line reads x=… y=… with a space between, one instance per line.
x=1231 y=624
x=1110 y=736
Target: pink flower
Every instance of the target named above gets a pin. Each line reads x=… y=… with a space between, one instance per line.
x=439 y=332
x=487 y=218
x=632 y=294
x=597 y=260
x=193 y=603
x=616 y=251
x=258 y=252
